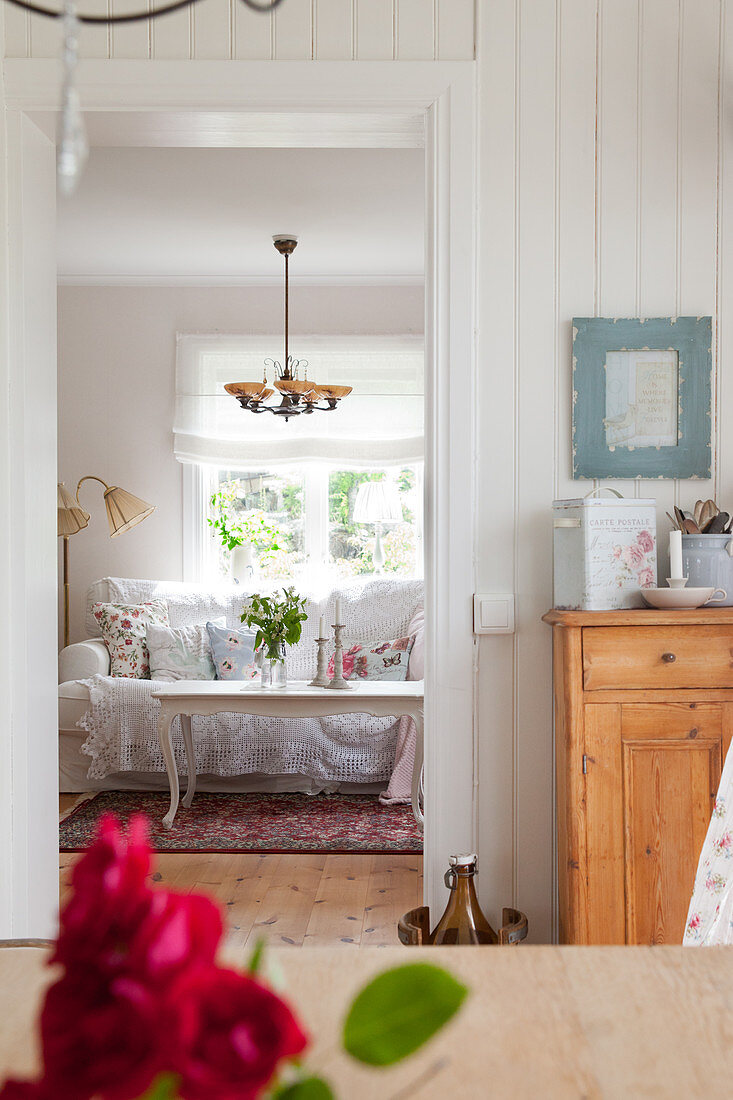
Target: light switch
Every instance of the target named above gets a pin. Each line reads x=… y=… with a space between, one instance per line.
x=493 y=614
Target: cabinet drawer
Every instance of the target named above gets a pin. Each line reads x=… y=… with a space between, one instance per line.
x=686 y=722
x=657 y=657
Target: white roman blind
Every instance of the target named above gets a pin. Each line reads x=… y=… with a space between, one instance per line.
x=380 y=423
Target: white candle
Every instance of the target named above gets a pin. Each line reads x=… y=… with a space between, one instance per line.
x=675 y=555
x=322 y=627
x=338 y=612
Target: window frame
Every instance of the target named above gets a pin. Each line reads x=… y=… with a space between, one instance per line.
x=199 y=548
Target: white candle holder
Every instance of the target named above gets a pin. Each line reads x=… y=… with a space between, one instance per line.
x=321 y=679
x=338 y=683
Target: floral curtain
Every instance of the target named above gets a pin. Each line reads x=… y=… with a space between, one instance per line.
x=710 y=918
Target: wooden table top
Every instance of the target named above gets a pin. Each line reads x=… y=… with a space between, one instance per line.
x=543 y=1022
x=295 y=689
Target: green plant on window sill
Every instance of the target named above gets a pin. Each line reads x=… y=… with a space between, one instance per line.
x=236 y=528
x=278 y=622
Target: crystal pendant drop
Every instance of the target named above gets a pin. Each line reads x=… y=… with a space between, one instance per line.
x=73 y=148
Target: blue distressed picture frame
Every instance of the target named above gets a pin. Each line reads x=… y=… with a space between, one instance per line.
x=593 y=339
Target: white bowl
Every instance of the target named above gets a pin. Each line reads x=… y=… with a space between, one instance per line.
x=677 y=599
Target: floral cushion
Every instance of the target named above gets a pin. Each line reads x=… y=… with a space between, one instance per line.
x=124 y=627
x=233 y=653
x=375 y=660
x=416 y=629
x=181 y=653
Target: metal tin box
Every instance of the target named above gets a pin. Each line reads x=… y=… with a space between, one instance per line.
x=605 y=550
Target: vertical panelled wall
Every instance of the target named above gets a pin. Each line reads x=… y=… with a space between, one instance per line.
x=606 y=186
x=605 y=132
x=301 y=30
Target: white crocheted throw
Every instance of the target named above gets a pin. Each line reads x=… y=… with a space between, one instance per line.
x=122 y=719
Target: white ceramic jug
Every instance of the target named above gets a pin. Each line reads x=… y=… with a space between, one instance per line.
x=243 y=563
x=707 y=561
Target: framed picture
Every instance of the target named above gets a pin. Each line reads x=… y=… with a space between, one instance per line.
x=641 y=397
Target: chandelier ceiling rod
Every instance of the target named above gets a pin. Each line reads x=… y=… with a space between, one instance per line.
x=298 y=395
x=286 y=360
x=134 y=17
x=286 y=246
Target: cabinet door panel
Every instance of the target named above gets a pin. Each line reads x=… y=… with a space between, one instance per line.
x=604 y=824
x=683 y=721
x=669 y=787
x=652 y=774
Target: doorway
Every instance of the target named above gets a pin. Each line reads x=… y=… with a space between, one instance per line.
x=377 y=102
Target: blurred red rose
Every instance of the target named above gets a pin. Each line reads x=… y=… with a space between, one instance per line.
x=108 y=1042
x=110 y=897
x=115 y=923
x=180 y=932
x=23 y=1090
x=141 y=995
x=235 y=1032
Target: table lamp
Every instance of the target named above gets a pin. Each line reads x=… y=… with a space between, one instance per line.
x=378 y=502
x=124 y=511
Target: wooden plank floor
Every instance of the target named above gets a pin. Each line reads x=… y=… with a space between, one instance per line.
x=295 y=900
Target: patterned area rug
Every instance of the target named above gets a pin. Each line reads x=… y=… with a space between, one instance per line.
x=254 y=823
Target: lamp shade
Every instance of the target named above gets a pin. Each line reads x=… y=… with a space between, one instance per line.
x=377 y=502
x=71 y=517
x=124 y=510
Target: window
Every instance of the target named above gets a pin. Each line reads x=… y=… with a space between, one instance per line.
x=294 y=491
x=301 y=521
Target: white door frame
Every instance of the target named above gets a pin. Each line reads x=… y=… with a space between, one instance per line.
x=28 y=541
x=374 y=94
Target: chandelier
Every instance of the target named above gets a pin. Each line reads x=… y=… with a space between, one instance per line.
x=298 y=395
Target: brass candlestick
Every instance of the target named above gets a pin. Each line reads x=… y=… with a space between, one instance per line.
x=321 y=679
x=338 y=683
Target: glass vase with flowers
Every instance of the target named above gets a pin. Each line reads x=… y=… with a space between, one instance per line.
x=278 y=622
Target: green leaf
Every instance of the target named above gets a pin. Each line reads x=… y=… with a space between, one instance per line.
x=255 y=959
x=164 y=1087
x=399 y=1011
x=309 y=1088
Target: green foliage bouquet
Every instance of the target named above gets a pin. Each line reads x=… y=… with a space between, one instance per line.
x=278 y=621
x=235 y=526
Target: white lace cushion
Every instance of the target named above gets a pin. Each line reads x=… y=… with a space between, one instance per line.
x=124 y=629
x=180 y=653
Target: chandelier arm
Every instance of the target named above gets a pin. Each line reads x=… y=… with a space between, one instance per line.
x=134 y=17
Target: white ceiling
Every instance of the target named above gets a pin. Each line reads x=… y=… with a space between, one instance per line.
x=210 y=213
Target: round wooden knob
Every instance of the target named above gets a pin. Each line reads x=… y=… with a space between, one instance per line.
x=668 y=658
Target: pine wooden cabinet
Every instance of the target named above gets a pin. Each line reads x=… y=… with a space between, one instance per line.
x=643 y=719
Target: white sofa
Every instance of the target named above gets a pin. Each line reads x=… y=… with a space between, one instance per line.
x=374 y=610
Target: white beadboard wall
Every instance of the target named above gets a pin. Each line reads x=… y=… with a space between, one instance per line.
x=607 y=184
x=299 y=30
x=605 y=132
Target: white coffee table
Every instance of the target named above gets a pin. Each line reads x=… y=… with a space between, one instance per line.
x=297 y=700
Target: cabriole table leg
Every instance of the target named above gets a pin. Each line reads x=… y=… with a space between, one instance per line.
x=190 y=759
x=417 y=767
x=165 y=724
